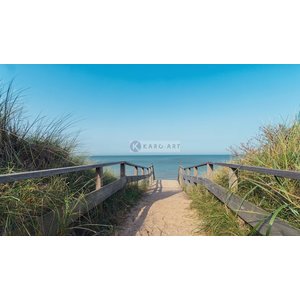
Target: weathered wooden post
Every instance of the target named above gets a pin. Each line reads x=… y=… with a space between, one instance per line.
x=136 y=173
x=196 y=171
x=182 y=172
x=179 y=175
x=233 y=179
x=151 y=172
x=149 y=178
x=99 y=177
x=122 y=170
x=210 y=169
x=147 y=173
x=99 y=183
x=143 y=173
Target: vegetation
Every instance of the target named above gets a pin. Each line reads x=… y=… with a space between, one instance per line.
x=106 y=219
x=26 y=146
x=216 y=219
x=278 y=147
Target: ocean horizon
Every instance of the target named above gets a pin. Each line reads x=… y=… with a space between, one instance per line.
x=165 y=166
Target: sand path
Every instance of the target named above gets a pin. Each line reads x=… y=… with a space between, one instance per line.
x=163 y=210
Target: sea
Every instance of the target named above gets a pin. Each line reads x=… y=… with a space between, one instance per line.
x=165 y=166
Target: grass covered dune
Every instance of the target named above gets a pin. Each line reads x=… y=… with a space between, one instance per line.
x=26 y=146
x=277 y=147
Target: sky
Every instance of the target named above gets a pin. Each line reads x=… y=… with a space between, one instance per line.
x=208 y=108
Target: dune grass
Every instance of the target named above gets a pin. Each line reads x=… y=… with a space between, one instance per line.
x=276 y=146
x=106 y=219
x=216 y=219
x=32 y=145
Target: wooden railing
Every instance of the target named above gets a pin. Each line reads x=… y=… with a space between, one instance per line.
x=49 y=222
x=250 y=213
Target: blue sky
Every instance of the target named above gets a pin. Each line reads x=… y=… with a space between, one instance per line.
x=208 y=108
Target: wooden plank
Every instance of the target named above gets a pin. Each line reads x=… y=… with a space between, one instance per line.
x=137 y=177
x=233 y=179
x=153 y=173
x=99 y=177
x=262 y=170
x=133 y=165
x=198 y=166
x=150 y=174
x=195 y=171
x=249 y=212
x=181 y=172
x=210 y=169
x=50 y=222
x=5 y=178
x=122 y=170
x=50 y=172
x=267 y=171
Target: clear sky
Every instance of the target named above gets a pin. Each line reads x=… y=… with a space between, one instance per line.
x=208 y=108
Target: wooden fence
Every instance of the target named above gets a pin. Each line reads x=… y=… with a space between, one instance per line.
x=250 y=213
x=50 y=222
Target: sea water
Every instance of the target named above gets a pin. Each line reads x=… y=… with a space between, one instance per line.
x=165 y=166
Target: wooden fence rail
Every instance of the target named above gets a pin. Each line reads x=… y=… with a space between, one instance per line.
x=50 y=222
x=250 y=213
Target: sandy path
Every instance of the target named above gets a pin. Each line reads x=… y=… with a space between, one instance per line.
x=164 y=210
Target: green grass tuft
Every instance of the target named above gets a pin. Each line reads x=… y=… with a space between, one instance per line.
x=216 y=218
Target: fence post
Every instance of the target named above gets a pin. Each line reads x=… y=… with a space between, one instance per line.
x=143 y=173
x=196 y=171
x=233 y=179
x=149 y=172
x=122 y=170
x=178 y=178
x=210 y=169
x=182 y=172
x=152 y=173
x=99 y=177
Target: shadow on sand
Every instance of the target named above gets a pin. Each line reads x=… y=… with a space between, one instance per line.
x=154 y=194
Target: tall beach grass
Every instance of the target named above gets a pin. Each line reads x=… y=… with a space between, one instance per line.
x=276 y=146
x=32 y=145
